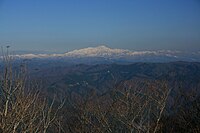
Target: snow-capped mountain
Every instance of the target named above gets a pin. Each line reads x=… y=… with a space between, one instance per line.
x=100 y=51
x=103 y=51
x=122 y=54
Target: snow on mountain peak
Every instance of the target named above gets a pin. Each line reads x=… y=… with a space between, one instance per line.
x=102 y=47
x=100 y=51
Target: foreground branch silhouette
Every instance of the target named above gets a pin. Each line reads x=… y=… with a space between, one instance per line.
x=23 y=109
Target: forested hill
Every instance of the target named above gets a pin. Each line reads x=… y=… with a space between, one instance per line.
x=101 y=77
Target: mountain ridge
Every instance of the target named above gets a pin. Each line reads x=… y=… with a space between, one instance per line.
x=124 y=54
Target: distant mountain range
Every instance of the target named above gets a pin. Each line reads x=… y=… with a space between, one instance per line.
x=103 y=53
x=102 y=77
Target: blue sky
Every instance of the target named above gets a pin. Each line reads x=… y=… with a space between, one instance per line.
x=63 y=25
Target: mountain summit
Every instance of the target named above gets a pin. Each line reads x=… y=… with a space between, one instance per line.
x=100 y=51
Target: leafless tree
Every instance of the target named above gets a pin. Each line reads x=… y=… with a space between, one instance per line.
x=22 y=108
